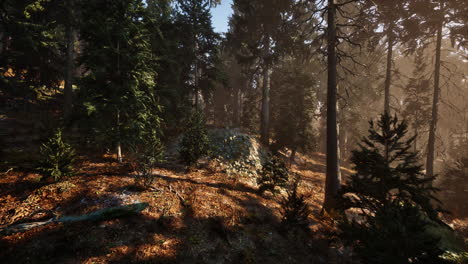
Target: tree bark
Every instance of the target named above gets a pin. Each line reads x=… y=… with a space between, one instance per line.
x=435 y=106
x=388 y=77
x=265 y=114
x=333 y=181
x=1 y=40
x=68 y=90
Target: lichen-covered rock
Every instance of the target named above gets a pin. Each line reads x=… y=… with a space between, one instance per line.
x=231 y=151
x=239 y=154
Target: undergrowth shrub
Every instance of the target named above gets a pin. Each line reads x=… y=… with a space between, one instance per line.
x=145 y=158
x=294 y=209
x=56 y=157
x=274 y=175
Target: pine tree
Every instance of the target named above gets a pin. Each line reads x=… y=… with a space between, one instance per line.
x=56 y=157
x=199 y=43
x=293 y=104
x=118 y=89
x=417 y=103
x=294 y=208
x=258 y=33
x=394 y=198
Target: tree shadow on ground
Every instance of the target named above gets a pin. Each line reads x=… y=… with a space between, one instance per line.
x=254 y=237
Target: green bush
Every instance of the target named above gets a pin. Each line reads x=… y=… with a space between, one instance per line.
x=195 y=143
x=274 y=174
x=56 y=157
x=394 y=200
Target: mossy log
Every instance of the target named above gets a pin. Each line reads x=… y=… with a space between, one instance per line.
x=100 y=215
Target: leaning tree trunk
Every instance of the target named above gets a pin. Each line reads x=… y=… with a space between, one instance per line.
x=100 y=215
x=333 y=181
x=265 y=114
x=435 y=106
x=388 y=77
x=68 y=91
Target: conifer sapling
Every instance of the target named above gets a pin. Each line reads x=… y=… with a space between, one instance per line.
x=394 y=199
x=56 y=157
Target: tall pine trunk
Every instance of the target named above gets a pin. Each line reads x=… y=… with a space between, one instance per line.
x=435 y=106
x=68 y=89
x=388 y=77
x=333 y=180
x=265 y=114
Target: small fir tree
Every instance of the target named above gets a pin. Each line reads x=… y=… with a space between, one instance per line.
x=56 y=157
x=394 y=198
x=147 y=149
x=274 y=174
x=195 y=143
x=294 y=208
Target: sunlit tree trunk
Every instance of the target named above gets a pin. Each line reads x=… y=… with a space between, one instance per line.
x=388 y=77
x=119 y=145
x=333 y=181
x=265 y=114
x=435 y=106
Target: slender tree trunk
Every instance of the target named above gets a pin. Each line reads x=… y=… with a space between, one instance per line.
x=292 y=157
x=388 y=77
x=415 y=139
x=68 y=91
x=338 y=147
x=333 y=181
x=435 y=106
x=1 y=40
x=265 y=114
x=197 y=76
x=236 y=109
x=119 y=146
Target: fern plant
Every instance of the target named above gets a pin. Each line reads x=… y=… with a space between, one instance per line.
x=57 y=157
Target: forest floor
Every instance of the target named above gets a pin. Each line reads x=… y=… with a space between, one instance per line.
x=195 y=217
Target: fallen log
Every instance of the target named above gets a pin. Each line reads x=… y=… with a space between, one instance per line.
x=100 y=215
